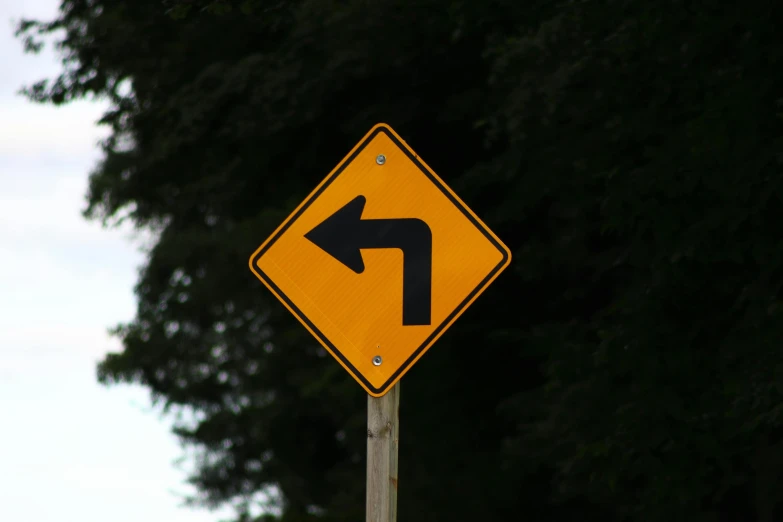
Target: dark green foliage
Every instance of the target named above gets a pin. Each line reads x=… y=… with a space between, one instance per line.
x=628 y=365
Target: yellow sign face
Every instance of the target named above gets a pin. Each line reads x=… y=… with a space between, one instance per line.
x=379 y=260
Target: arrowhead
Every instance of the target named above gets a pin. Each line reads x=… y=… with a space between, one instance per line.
x=337 y=235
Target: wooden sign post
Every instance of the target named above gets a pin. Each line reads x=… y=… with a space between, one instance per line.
x=377 y=263
x=383 y=439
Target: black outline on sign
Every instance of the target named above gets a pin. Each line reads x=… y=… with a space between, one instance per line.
x=405 y=365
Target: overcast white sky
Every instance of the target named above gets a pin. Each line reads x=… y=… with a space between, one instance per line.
x=70 y=450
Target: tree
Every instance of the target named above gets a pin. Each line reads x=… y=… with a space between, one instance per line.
x=624 y=368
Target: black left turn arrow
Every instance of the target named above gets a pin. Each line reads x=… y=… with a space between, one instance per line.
x=344 y=234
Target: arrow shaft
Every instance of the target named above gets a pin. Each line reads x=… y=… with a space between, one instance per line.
x=414 y=238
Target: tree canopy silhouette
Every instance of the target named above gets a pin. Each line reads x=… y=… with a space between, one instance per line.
x=626 y=367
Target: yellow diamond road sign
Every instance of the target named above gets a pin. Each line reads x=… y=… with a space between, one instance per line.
x=379 y=260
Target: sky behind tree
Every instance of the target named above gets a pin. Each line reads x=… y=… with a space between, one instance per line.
x=70 y=449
